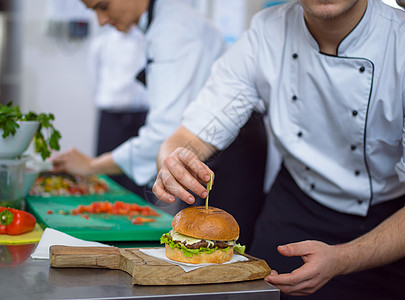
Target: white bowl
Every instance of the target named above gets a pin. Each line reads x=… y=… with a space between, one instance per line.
x=14 y=145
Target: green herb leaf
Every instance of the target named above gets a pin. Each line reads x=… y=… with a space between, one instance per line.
x=46 y=137
x=9 y=115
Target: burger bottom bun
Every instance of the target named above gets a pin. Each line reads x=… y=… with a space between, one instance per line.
x=216 y=257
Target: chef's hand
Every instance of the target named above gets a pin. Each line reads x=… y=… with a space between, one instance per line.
x=73 y=162
x=181 y=171
x=77 y=163
x=321 y=264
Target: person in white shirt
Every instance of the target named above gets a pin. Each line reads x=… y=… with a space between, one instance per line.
x=332 y=77
x=115 y=58
x=181 y=46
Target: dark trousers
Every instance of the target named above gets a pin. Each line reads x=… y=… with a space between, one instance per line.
x=114 y=129
x=290 y=216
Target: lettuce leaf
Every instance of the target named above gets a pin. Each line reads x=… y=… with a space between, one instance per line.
x=167 y=239
x=241 y=249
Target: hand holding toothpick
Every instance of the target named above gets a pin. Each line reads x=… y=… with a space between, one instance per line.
x=209 y=188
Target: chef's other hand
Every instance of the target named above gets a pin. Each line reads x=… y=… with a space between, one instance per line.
x=181 y=171
x=320 y=265
x=73 y=162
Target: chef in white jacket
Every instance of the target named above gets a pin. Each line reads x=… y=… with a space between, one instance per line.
x=332 y=76
x=181 y=46
x=115 y=58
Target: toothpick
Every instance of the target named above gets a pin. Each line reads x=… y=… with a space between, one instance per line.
x=209 y=188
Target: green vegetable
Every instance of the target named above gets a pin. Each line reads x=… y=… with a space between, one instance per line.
x=167 y=239
x=8 y=116
x=241 y=249
x=46 y=137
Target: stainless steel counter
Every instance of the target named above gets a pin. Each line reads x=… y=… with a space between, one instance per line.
x=35 y=279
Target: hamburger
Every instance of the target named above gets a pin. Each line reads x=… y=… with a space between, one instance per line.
x=202 y=235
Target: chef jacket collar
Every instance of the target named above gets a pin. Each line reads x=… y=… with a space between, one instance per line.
x=355 y=37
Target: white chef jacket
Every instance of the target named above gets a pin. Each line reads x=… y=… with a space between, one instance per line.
x=337 y=120
x=114 y=60
x=182 y=46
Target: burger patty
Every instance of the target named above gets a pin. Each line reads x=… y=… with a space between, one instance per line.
x=204 y=244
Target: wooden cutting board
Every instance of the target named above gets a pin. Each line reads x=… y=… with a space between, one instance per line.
x=147 y=270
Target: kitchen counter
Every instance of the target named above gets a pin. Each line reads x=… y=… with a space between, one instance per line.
x=35 y=279
x=24 y=278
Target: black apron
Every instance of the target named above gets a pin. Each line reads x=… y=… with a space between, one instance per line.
x=141 y=76
x=289 y=215
x=116 y=127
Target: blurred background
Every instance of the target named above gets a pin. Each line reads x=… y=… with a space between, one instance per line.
x=43 y=57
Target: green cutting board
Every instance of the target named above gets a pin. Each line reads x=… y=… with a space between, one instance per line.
x=113 y=187
x=99 y=227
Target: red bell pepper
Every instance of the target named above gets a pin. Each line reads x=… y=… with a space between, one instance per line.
x=14 y=221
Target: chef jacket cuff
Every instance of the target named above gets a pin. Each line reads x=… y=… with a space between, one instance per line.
x=121 y=157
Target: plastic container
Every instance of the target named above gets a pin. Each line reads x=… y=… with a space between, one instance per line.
x=29 y=179
x=12 y=191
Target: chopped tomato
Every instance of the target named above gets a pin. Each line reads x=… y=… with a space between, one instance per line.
x=85 y=216
x=140 y=220
x=119 y=208
x=76 y=190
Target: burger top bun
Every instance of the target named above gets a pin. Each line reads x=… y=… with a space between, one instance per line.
x=209 y=224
